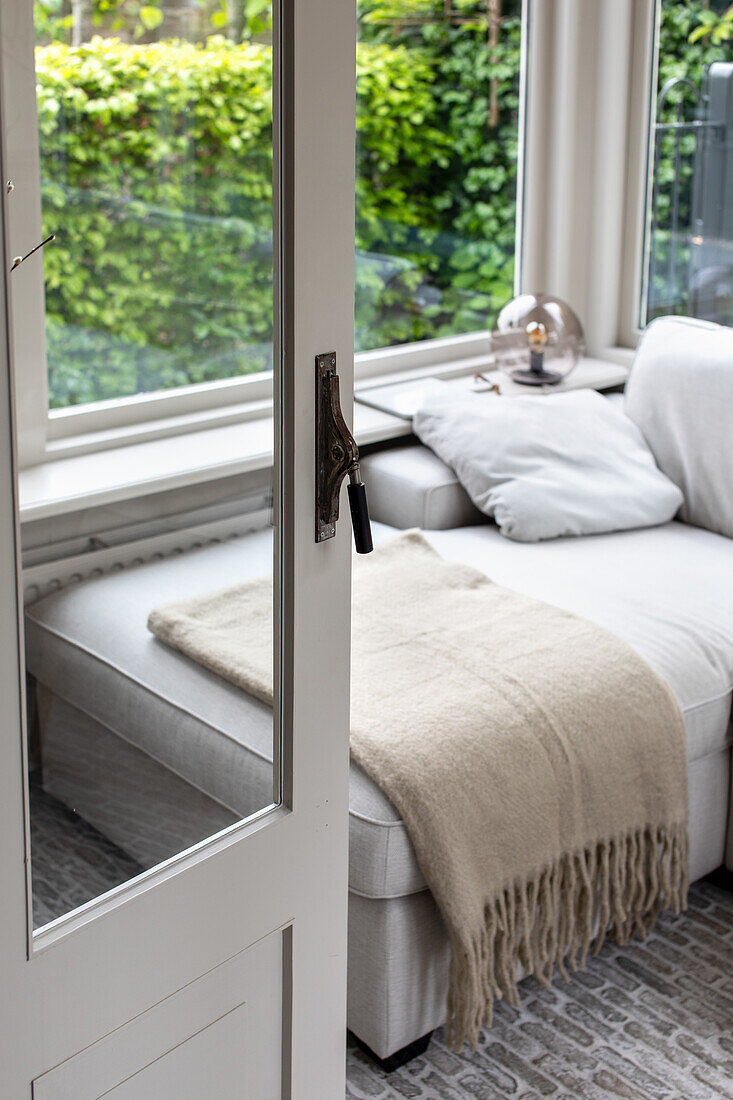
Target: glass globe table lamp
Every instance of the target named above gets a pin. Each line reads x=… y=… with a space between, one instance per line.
x=537 y=340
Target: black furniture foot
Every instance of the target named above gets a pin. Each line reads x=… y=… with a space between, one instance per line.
x=723 y=878
x=400 y=1057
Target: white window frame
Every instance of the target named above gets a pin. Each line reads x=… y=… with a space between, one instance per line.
x=48 y=435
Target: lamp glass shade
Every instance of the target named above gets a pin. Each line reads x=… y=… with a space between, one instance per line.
x=510 y=341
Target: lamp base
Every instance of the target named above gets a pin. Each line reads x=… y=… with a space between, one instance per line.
x=536 y=377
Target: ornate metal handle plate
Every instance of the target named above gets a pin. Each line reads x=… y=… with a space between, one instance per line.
x=336 y=456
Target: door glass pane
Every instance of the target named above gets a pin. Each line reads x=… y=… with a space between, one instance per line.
x=147 y=736
x=437 y=157
x=689 y=231
x=156 y=166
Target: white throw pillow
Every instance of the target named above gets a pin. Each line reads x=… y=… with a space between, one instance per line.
x=548 y=466
x=680 y=394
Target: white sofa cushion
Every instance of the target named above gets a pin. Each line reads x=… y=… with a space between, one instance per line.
x=667 y=591
x=680 y=393
x=547 y=467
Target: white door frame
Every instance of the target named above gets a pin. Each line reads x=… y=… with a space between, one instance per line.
x=284 y=873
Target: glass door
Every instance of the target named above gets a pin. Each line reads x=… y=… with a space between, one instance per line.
x=184 y=641
x=155 y=150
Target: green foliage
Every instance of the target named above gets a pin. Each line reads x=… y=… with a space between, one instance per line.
x=443 y=197
x=51 y=20
x=157 y=182
x=680 y=55
x=714 y=27
x=157 y=172
x=156 y=179
x=256 y=17
x=131 y=19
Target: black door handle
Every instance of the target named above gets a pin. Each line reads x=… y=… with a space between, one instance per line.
x=336 y=456
x=360 y=514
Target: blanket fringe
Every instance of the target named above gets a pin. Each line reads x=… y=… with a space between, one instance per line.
x=556 y=918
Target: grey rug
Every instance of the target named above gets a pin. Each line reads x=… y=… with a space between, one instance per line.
x=648 y=1021
x=644 y=1022
x=71 y=862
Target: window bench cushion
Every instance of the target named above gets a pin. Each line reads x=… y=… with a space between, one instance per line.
x=667 y=591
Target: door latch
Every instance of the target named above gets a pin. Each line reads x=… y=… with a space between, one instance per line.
x=337 y=456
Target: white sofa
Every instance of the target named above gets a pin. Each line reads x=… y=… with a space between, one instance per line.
x=157 y=752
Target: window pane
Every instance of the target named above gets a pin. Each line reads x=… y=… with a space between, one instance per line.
x=156 y=160
x=157 y=168
x=689 y=245
x=437 y=145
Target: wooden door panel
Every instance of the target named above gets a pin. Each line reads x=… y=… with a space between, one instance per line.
x=219 y=1037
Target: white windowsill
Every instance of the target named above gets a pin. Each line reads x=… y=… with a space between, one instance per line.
x=102 y=467
x=98 y=477
x=107 y=425
x=139 y=469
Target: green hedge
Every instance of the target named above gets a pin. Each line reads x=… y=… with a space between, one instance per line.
x=156 y=179
x=156 y=176
x=443 y=199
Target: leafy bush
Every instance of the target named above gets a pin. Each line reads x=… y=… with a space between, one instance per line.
x=157 y=181
x=446 y=202
x=156 y=178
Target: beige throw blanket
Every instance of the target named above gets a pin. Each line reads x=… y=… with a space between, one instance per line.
x=537 y=762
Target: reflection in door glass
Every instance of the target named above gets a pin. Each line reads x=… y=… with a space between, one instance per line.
x=156 y=154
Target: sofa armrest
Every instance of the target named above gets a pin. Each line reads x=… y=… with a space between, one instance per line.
x=411 y=487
